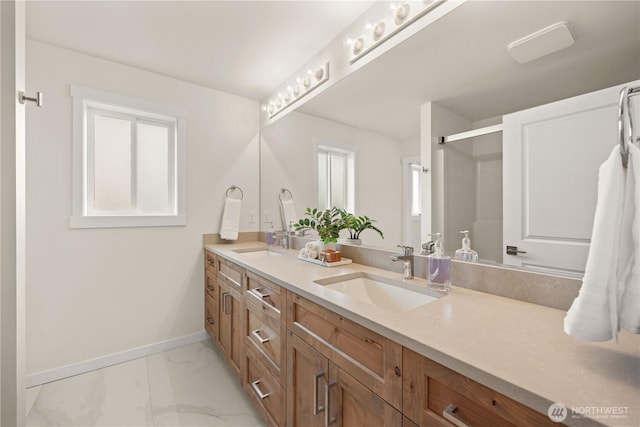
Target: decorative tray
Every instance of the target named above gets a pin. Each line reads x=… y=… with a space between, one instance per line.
x=343 y=261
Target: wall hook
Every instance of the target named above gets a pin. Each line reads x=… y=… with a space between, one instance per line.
x=38 y=98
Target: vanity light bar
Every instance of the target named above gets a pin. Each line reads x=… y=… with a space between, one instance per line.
x=402 y=14
x=297 y=90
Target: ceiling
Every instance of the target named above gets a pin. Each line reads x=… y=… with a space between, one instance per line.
x=242 y=47
x=461 y=62
x=248 y=48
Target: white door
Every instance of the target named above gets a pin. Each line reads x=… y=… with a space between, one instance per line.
x=551 y=158
x=12 y=226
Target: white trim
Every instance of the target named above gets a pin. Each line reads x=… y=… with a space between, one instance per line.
x=91 y=94
x=127 y=221
x=85 y=366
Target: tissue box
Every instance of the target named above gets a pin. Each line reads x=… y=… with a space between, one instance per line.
x=330 y=255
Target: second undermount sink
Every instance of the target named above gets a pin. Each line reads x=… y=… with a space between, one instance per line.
x=379 y=292
x=256 y=252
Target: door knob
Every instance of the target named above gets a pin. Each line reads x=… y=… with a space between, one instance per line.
x=513 y=250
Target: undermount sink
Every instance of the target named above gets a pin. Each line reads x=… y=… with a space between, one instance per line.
x=256 y=252
x=379 y=292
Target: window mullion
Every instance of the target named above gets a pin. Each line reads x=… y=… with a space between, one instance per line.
x=89 y=162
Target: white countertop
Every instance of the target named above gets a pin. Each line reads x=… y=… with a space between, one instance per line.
x=516 y=348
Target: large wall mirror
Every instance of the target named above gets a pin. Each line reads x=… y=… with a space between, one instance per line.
x=460 y=65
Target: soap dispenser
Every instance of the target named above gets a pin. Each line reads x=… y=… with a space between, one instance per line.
x=439 y=267
x=465 y=253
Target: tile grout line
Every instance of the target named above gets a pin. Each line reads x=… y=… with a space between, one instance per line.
x=146 y=366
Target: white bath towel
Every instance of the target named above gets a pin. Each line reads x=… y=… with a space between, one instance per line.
x=313 y=254
x=610 y=287
x=289 y=213
x=230 y=219
x=304 y=253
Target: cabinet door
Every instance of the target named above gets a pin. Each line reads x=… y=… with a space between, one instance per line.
x=307 y=373
x=230 y=335
x=351 y=404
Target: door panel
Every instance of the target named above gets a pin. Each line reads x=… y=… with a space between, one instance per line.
x=552 y=154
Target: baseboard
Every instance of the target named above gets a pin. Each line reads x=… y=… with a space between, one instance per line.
x=49 y=375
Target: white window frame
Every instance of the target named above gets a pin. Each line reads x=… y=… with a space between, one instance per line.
x=87 y=101
x=351 y=155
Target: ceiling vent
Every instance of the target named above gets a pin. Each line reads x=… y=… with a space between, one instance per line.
x=541 y=43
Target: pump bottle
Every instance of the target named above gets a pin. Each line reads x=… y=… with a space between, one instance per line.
x=465 y=253
x=439 y=268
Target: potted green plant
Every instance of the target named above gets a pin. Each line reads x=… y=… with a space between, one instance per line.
x=327 y=223
x=356 y=225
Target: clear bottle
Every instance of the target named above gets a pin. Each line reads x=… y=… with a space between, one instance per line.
x=439 y=267
x=465 y=253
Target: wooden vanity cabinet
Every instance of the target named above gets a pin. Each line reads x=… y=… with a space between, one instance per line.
x=320 y=393
x=264 y=339
x=230 y=304
x=210 y=295
x=370 y=358
x=434 y=395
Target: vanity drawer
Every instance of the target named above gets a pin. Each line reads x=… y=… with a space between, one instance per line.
x=210 y=315
x=370 y=358
x=210 y=283
x=231 y=272
x=267 y=337
x=267 y=295
x=431 y=389
x=264 y=390
x=210 y=261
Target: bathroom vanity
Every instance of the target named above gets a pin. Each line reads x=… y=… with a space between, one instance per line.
x=308 y=354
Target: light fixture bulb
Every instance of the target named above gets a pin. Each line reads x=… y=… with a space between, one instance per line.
x=296 y=90
x=378 y=31
x=401 y=13
x=358 y=45
x=306 y=82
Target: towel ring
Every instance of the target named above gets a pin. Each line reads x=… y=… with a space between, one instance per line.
x=284 y=191
x=233 y=188
x=623 y=110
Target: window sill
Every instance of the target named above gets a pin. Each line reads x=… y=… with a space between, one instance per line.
x=127 y=221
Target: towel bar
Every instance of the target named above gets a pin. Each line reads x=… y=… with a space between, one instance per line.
x=623 y=102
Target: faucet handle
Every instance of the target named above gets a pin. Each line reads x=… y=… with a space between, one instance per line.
x=406 y=250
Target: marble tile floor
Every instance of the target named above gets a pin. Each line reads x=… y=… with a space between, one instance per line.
x=187 y=386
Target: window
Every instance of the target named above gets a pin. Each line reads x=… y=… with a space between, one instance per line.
x=128 y=161
x=335 y=176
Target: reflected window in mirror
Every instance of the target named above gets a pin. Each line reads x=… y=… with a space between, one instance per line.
x=416 y=200
x=335 y=177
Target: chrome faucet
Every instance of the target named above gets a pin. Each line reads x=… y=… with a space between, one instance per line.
x=407 y=261
x=428 y=248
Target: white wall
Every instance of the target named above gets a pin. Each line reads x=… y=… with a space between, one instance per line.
x=288 y=161
x=94 y=292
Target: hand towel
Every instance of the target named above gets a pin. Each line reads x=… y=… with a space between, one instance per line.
x=289 y=213
x=304 y=253
x=594 y=314
x=230 y=219
x=312 y=246
x=313 y=254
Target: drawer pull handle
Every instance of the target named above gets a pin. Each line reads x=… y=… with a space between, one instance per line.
x=209 y=321
x=328 y=419
x=256 y=388
x=225 y=305
x=449 y=414
x=256 y=292
x=210 y=288
x=317 y=408
x=256 y=333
